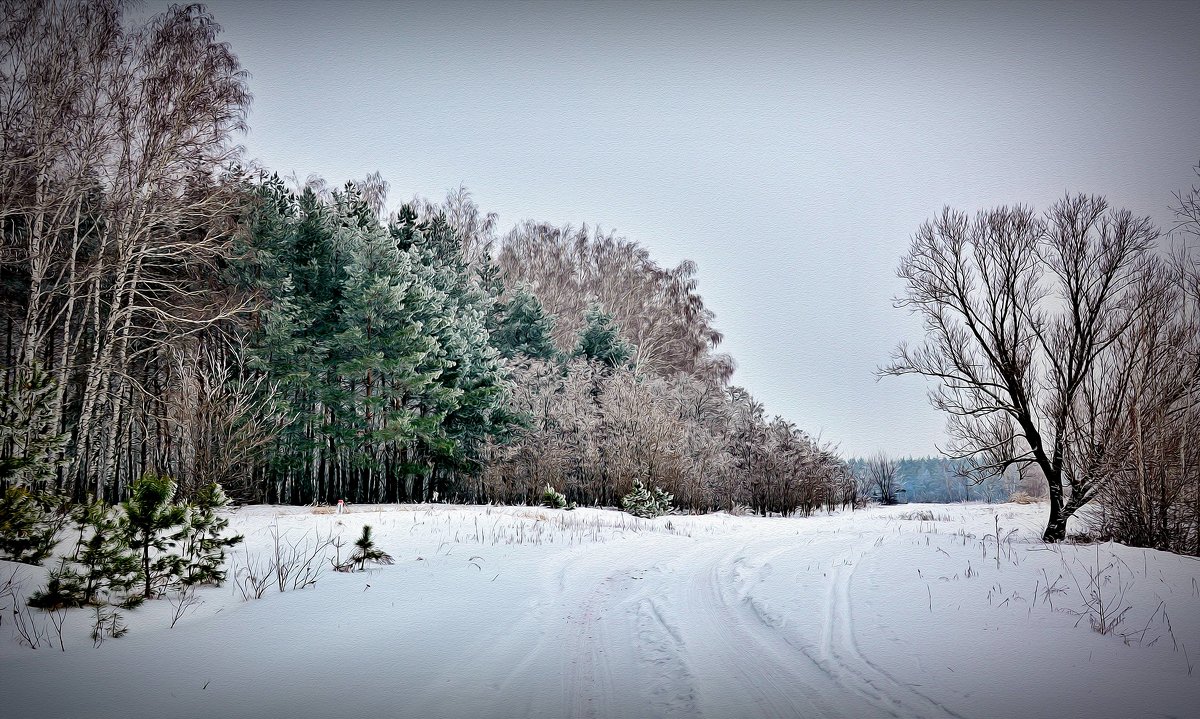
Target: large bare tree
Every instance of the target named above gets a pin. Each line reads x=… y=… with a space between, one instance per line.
x=1021 y=311
x=658 y=309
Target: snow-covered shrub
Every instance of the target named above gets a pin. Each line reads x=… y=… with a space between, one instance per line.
x=646 y=502
x=553 y=499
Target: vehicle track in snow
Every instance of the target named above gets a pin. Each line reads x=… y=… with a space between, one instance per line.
x=839 y=647
x=687 y=637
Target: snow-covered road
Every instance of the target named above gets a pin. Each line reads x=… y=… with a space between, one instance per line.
x=687 y=636
x=527 y=612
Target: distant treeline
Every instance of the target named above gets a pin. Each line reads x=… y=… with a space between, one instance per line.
x=941 y=480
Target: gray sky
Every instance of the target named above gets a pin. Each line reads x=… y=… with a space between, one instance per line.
x=790 y=149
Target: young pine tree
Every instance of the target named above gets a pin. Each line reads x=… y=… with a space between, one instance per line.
x=30 y=444
x=553 y=498
x=525 y=328
x=151 y=527
x=29 y=525
x=100 y=563
x=647 y=502
x=365 y=551
x=204 y=545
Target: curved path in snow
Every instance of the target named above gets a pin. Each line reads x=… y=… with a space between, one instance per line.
x=683 y=633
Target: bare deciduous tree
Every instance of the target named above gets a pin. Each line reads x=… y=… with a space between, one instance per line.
x=658 y=309
x=881 y=475
x=1020 y=311
x=117 y=214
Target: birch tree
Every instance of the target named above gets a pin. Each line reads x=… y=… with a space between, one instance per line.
x=118 y=214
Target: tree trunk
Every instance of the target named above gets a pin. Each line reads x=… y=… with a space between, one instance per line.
x=1056 y=525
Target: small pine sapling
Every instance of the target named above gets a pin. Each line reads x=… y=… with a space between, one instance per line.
x=64 y=588
x=100 y=562
x=106 y=562
x=151 y=527
x=107 y=623
x=204 y=543
x=553 y=499
x=646 y=502
x=365 y=551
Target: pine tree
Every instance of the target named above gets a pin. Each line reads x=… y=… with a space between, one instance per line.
x=30 y=443
x=204 y=545
x=30 y=523
x=600 y=340
x=106 y=563
x=525 y=328
x=464 y=405
x=553 y=499
x=151 y=523
x=376 y=343
x=365 y=551
x=385 y=356
x=99 y=563
x=487 y=277
x=64 y=588
x=646 y=502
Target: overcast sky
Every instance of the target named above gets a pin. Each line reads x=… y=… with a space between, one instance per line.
x=789 y=149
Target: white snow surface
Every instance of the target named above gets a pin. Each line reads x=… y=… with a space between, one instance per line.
x=529 y=612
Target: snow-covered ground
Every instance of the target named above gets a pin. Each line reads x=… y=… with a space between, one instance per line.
x=514 y=612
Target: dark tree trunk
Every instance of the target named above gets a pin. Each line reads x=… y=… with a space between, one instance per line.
x=1056 y=525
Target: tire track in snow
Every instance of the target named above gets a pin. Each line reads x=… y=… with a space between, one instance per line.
x=839 y=647
x=660 y=648
x=768 y=671
x=589 y=684
x=688 y=637
x=622 y=655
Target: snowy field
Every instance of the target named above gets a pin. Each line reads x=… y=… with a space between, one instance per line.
x=911 y=611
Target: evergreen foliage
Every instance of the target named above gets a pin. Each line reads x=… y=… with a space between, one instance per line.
x=107 y=623
x=600 y=340
x=365 y=551
x=151 y=526
x=30 y=443
x=554 y=499
x=378 y=340
x=115 y=552
x=647 y=502
x=64 y=588
x=204 y=543
x=524 y=328
x=29 y=524
x=100 y=565
x=106 y=563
